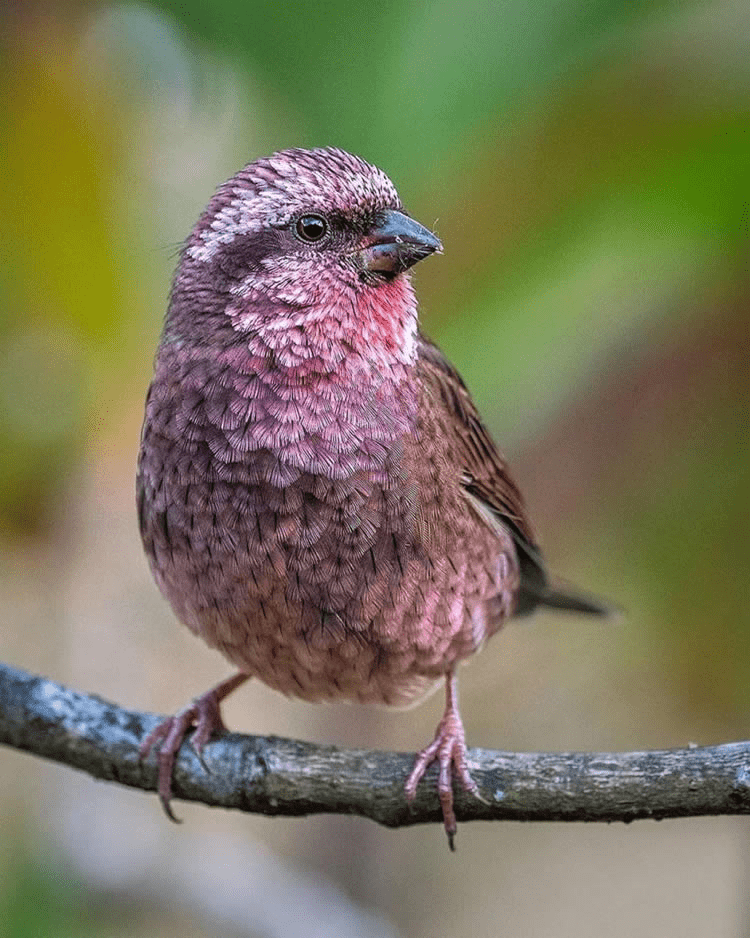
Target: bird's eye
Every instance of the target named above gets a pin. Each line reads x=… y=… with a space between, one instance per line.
x=311 y=228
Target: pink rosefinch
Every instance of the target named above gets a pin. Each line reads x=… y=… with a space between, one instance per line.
x=318 y=496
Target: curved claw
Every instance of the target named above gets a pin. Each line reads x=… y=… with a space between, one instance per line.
x=204 y=713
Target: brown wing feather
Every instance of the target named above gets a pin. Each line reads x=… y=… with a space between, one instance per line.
x=485 y=478
x=484 y=473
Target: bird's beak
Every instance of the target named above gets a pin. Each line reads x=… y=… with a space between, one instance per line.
x=395 y=243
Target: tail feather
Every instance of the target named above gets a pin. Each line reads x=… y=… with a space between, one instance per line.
x=568 y=600
x=536 y=590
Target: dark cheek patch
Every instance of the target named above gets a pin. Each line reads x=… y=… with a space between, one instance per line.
x=245 y=253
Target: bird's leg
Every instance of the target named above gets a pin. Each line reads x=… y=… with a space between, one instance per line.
x=449 y=750
x=204 y=713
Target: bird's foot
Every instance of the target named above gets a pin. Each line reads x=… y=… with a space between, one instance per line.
x=448 y=749
x=204 y=713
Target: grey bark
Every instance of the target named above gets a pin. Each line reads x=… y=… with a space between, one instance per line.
x=272 y=776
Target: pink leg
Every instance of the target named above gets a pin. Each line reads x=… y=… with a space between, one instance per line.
x=205 y=714
x=449 y=750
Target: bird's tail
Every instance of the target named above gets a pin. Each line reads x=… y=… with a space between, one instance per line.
x=536 y=590
x=566 y=599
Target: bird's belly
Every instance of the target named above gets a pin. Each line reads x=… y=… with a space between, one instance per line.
x=323 y=590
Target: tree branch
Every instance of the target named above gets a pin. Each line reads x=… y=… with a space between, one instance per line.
x=272 y=776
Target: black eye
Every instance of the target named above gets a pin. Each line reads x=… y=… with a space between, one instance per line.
x=312 y=227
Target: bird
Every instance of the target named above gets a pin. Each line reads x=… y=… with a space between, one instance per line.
x=318 y=496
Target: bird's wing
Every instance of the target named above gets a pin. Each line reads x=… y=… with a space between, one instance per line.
x=488 y=484
x=484 y=473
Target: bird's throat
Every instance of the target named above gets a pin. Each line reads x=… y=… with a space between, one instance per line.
x=352 y=333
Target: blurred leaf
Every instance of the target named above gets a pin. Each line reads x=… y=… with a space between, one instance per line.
x=64 y=284
x=325 y=59
x=58 y=217
x=473 y=64
x=689 y=517
x=405 y=82
x=659 y=209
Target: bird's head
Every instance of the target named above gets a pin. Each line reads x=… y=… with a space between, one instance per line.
x=302 y=248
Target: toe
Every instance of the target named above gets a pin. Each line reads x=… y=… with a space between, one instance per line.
x=462 y=771
x=205 y=713
x=148 y=743
x=415 y=777
x=208 y=722
x=445 y=792
x=165 y=762
x=424 y=759
x=170 y=734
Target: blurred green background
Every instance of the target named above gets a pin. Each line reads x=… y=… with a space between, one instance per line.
x=587 y=166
